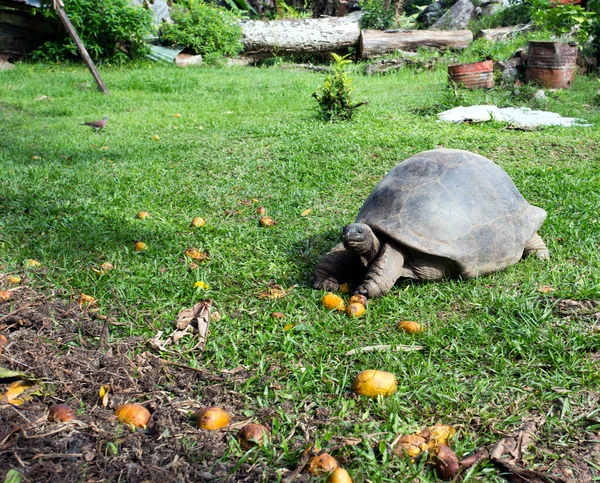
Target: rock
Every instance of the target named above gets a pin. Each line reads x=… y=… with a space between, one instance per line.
x=185 y=60
x=4 y=65
x=457 y=17
x=512 y=68
x=432 y=13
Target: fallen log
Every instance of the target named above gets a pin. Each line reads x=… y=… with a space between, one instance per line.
x=377 y=42
x=502 y=33
x=302 y=36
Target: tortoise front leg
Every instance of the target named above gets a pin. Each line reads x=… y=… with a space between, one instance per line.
x=383 y=273
x=337 y=267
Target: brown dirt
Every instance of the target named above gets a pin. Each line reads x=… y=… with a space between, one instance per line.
x=57 y=345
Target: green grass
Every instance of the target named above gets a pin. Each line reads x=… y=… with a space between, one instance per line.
x=495 y=352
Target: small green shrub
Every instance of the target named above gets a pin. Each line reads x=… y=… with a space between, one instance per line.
x=512 y=15
x=111 y=30
x=564 y=19
x=375 y=17
x=203 y=29
x=334 y=96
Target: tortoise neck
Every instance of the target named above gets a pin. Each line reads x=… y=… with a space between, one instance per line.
x=372 y=252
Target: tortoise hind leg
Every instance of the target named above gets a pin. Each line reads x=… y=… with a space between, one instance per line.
x=537 y=246
x=337 y=267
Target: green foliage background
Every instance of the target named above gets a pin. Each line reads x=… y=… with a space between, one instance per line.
x=111 y=30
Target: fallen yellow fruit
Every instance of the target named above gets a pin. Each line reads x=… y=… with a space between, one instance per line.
x=133 y=414
x=332 y=301
x=321 y=465
x=140 y=247
x=410 y=327
x=355 y=310
x=253 y=435
x=373 y=383
x=197 y=222
x=212 y=418
x=339 y=475
x=202 y=285
x=196 y=254
x=32 y=263
x=86 y=300
x=5 y=295
x=142 y=215
x=14 y=279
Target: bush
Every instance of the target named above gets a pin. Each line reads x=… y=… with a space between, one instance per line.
x=333 y=97
x=112 y=30
x=375 y=16
x=564 y=19
x=203 y=29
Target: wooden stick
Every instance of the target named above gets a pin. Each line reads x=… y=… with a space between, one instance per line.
x=59 y=6
x=373 y=348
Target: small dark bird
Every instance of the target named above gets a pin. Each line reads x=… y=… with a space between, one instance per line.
x=97 y=125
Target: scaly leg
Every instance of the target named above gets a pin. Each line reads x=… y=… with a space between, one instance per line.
x=383 y=273
x=537 y=246
x=337 y=267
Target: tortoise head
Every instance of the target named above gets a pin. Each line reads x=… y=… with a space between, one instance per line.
x=358 y=238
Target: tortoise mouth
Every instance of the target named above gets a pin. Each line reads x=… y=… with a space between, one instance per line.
x=356 y=239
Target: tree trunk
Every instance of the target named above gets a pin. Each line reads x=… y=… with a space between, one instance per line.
x=305 y=36
x=377 y=42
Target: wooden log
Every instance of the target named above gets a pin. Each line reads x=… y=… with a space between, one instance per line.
x=303 y=36
x=377 y=42
x=502 y=33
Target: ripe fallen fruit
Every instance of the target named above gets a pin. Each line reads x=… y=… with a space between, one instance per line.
x=142 y=215
x=3 y=342
x=261 y=210
x=5 y=295
x=106 y=267
x=440 y=433
x=140 y=247
x=61 y=413
x=134 y=414
x=266 y=221
x=409 y=326
x=14 y=279
x=212 y=418
x=344 y=288
x=277 y=315
x=332 y=301
x=321 y=465
x=360 y=299
x=196 y=254
x=31 y=263
x=372 y=383
x=339 y=475
x=410 y=445
x=198 y=222
x=446 y=463
x=355 y=310
x=253 y=435
x=202 y=285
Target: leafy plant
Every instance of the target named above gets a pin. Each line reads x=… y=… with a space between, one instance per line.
x=376 y=16
x=112 y=30
x=564 y=19
x=203 y=29
x=334 y=96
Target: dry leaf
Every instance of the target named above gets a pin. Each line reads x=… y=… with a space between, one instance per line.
x=177 y=114
x=193 y=266
x=35 y=158
x=267 y=221
x=103 y=393
x=546 y=289
x=15 y=390
x=278 y=315
x=43 y=98
x=32 y=263
x=274 y=291
x=196 y=254
x=306 y=212
x=5 y=295
x=155 y=137
x=196 y=319
x=261 y=210
x=86 y=300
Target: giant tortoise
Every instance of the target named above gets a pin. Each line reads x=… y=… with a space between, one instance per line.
x=441 y=213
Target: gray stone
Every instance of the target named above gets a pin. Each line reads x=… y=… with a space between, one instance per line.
x=185 y=60
x=457 y=17
x=432 y=13
x=4 y=65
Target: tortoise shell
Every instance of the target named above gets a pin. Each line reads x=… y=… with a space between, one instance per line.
x=454 y=204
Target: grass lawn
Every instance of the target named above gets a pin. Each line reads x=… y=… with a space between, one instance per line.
x=219 y=143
